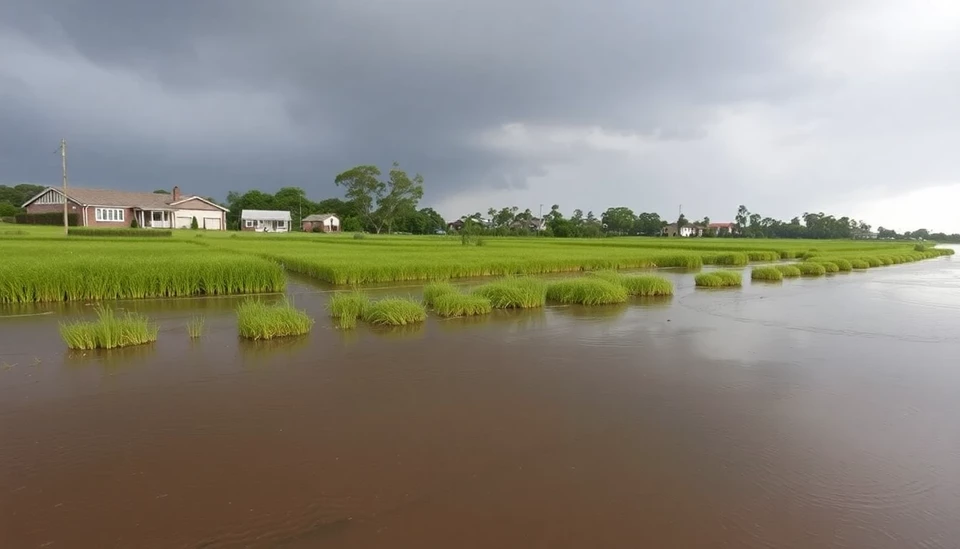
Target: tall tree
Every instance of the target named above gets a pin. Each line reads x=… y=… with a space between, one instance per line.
x=364 y=189
x=619 y=220
x=401 y=193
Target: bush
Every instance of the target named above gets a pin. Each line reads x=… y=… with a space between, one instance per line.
x=258 y=320
x=193 y=223
x=586 y=291
x=109 y=331
x=316 y=229
x=134 y=224
x=47 y=219
x=456 y=304
x=138 y=233
x=514 y=293
x=766 y=273
x=788 y=271
x=395 y=311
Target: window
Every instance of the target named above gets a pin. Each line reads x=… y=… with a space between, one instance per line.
x=249 y=223
x=281 y=224
x=157 y=216
x=109 y=214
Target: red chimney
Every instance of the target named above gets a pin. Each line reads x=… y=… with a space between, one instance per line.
x=176 y=193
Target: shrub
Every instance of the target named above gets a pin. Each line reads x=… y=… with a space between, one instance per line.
x=586 y=291
x=259 y=320
x=193 y=223
x=788 y=271
x=395 y=311
x=859 y=264
x=348 y=304
x=359 y=236
x=108 y=232
x=109 y=331
x=134 y=224
x=514 y=293
x=713 y=279
x=766 y=273
x=195 y=327
x=47 y=219
x=638 y=285
x=316 y=229
x=436 y=289
x=457 y=304
x=809 y=268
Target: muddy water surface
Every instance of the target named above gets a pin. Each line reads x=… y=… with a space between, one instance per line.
x=812 y=413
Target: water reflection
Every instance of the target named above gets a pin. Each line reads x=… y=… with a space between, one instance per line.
x=111 y=359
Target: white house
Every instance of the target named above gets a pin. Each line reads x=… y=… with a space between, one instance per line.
x=685 y=231
x=265 y=221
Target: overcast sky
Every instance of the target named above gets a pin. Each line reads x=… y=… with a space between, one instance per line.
x=848 y=107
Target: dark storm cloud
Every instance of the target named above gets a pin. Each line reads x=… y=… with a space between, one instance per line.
x=237 y=94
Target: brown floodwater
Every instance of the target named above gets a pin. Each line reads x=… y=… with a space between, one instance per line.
x=812 y=413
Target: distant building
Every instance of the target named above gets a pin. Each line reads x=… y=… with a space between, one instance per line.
x=265 y=221
x=685 y=231
x=324 y=223
x=723 y=229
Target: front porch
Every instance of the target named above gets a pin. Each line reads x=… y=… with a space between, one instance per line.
x=155 y=219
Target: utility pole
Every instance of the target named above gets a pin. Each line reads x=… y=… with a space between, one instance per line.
x=63 y=163
x=540 y=222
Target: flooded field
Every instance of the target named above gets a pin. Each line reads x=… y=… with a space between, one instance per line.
x=809 y=413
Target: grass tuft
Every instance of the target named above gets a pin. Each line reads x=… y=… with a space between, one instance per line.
x=788 y=271
x=195 y=327
x=638 y=285
x=395 y=311
x=457 y=304
x=514 y=293
x=109 y=331
x=718 y=279
x=809 y=268
x=258 y=320
x=766 y=273
x=586 y=291
x=436 y=289
x=859 y=264
x=348 y=304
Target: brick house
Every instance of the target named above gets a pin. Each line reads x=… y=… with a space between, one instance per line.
x=325 y=223
x=108 y=208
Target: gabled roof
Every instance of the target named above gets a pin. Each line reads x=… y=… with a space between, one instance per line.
x=119 y=199
x=320 y=217
x=266 y=215
x=721 y=225
x=201 y=199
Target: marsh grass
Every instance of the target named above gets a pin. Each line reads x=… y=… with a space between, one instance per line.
x=873 y=261
x=638 y=285
x=788 y=271
x=109 y=331
x=828 y=266
x=348 y=304
x=514 y=293
x=809 y=268
x=718 y=279
x=457 y=304
x=586 y=291
x=395 y=311
x=766 y=273
x=436 y=289
x=859 y=264
x=258 y=320
x=195 y=326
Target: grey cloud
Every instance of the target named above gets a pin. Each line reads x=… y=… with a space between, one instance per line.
x=336 y=83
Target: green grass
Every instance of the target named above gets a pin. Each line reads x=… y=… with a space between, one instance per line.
x=109 y=331
x=259 y=320
x=809 y=268
x=514 y=293
x=718 y=279
x=195 y=327
x=638 y=285
x=873 y=261
x=766 y=273
x=788 y=271
x=457 y=304
x=586 y=291
x=436 y=289
x=395 y=311
x=348 y=304
x=132 y=233
x=859 y=264
x=828 y=266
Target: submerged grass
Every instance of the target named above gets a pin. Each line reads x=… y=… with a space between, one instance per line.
x=109 y=331
x=259 y=320
x=718 y=279
x=395 y=311
x=348 y=304
x=436 y=289
x=586 y=291
x=809 y=268
x=766 y=273
x=195 y=327
x=638 y=285
x=514 y=293
x=788 y=271
x=457 y=304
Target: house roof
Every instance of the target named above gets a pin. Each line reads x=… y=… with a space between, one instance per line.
x=320 y=217
x=120 y=199
x=721 y=225
x=266 y=215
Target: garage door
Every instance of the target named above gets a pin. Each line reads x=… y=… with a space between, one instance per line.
x=184 y=222
x=211 y=223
